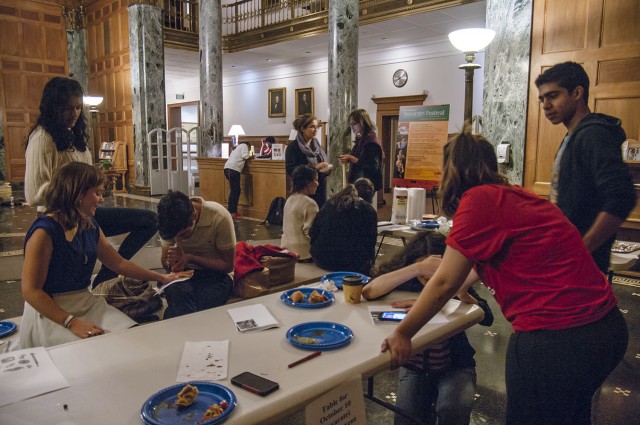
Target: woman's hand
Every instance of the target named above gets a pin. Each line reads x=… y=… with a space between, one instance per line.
x=406 y=304
x=166 y=278
x=321 y=165
x=83 y=329
x=400 y=347
x=345 y=159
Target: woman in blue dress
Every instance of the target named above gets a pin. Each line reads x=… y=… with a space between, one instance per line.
x=61 y=249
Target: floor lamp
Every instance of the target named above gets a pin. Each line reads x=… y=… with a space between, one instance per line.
x=470 y=41
x=92 y=102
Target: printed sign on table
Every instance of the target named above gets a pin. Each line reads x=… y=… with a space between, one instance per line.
x=343 y=405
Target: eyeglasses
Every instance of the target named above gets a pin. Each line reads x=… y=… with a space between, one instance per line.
x=313 y=127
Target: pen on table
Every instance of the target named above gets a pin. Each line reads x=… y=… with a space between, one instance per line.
x=304 y=359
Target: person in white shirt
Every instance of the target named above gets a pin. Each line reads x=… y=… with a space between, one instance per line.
x=299 y=212
x=232 y=169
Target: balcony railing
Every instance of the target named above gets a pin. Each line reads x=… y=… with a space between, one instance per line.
x=247 y=24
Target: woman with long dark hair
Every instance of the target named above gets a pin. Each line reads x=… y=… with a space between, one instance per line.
x=61 y=249
x=306 y=150
x=60 y=137
x=568 y=331
x=365 y=159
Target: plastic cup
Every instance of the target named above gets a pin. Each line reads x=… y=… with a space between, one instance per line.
x=352 y=288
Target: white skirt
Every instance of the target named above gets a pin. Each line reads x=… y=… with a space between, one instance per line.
x=38 y=331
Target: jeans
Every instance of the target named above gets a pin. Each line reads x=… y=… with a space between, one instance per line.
x=551 y=376
x=234 y=189
x=206 y=289
x=140 y=224
x=452 y=391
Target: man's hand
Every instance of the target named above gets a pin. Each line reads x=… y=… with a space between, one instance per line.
x=176 y=259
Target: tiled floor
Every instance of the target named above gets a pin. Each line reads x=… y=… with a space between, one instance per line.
x=618 y=402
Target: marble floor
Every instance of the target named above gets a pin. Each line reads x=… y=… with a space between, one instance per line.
x=618 y=401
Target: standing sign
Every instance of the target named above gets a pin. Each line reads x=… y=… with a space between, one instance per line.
x=343 y=405
x=422 y=133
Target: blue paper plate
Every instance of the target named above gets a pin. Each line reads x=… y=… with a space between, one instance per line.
x=338 y=276
x=285 y=297
x=160 y=408
x=7 y=328
x=327 y=335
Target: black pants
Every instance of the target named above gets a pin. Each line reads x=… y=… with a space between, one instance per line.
x=234 y=184
x=206 y=289
x=551 y=376
x=140 y=224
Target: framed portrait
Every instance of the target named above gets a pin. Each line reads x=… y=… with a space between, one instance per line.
x=304 y=101
x=277 y=102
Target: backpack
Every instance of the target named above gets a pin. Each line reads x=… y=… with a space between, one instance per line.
x=276 y=211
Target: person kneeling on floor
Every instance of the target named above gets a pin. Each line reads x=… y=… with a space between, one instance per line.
x=196 y=235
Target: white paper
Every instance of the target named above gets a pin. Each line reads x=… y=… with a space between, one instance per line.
x=28 y=373
x=204 y=361
x=252 y=318
x=342 y=405
x=187 y=275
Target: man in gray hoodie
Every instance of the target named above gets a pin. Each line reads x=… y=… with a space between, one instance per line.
x=590 y=182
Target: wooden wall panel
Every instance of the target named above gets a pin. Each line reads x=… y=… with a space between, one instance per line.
x=620 y=22
x=109 y=76
x=32 y=51
x=566 y=27
x=603 y=36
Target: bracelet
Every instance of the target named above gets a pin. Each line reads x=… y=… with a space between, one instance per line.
x=68 y=320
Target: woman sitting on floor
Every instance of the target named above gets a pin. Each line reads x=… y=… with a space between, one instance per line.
x=300 y=211
x=61 y=249
x=343 y=236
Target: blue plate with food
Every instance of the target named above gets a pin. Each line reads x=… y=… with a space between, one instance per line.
x=307 y=298
x=337 y=277
x=195 y=402
x=320 y=336
x=7 y=328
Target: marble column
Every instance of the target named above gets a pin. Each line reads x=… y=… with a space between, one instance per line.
x=506 y=80
x=147 y=79
x=77 y=46
x=211 y=78
x=343 y=82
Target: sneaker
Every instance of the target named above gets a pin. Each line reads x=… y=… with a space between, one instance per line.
x=236 y=215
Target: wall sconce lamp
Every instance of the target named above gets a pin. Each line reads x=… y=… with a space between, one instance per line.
x=235 y=131
x=470 y=41
x=92 y=102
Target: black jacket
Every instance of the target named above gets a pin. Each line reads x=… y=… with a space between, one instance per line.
x=345 y=240
x=594 y=178
x=294 y=157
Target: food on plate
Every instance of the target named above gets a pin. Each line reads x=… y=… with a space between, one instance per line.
x=214 y=411
x=297 y=297
x=187 y=396
x=305 y=340
x=316 y=297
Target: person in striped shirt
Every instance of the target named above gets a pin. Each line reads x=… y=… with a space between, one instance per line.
x=443 y=375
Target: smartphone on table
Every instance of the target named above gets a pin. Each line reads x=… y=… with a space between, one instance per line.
x=394 y=316
x=254 y=383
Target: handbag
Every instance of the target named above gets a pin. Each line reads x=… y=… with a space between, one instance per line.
x=135 y=298
x=281 y=269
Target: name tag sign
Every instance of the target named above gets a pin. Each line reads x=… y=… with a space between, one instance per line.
x=343 y=405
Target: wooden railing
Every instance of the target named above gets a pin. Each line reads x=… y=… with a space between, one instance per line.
x=248 y=24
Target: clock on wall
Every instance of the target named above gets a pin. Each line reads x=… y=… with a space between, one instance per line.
x=400 y=78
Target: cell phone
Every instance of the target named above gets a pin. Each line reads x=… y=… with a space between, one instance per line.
x=254 y=383
x=394 y=316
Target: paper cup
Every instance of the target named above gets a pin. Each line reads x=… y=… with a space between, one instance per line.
x=352 y=288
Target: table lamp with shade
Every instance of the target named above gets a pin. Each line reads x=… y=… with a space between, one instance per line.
x=470 y=41
x=235 y=131
x=293 y=135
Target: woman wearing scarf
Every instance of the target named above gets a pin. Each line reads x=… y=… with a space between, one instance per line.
x=306 y=150
x=366 y=155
